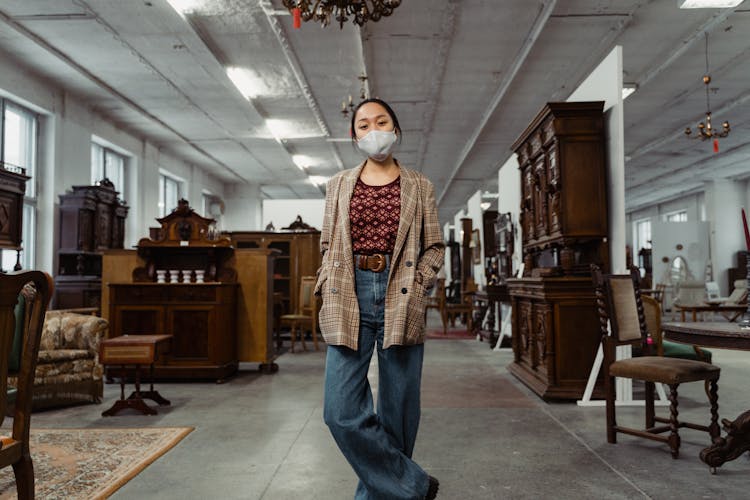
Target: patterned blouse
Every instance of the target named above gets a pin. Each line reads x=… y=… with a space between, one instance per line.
x=374 y=213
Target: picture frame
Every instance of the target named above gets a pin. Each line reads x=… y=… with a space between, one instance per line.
x=476 y=246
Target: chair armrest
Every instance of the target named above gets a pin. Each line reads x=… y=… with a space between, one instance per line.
x=82 y=331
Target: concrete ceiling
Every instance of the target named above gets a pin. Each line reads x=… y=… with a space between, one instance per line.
x=465 y=78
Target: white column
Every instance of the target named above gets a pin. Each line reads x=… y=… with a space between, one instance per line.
x=724 y=200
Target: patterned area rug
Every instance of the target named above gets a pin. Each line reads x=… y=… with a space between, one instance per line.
x=90 y=463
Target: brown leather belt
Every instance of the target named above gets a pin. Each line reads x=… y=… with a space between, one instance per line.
x=375 y=262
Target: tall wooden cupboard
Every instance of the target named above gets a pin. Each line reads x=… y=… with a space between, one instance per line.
x=564 y=225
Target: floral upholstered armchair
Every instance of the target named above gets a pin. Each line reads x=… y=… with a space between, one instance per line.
x=68 y=370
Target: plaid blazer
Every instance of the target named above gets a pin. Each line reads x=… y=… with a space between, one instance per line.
x=417 y=257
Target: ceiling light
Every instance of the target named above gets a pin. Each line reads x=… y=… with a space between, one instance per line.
x=325 y=11
x=485 y=205
x=628 y=89
x=184 y=7
x=302 y=161
x=318 y=180
x=246 y=82
x=705 y=129
x=708 y=4
x=279 y=128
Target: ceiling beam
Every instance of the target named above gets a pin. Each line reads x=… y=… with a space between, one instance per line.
x=546 y=8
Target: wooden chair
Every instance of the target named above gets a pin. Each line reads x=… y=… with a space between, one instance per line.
x=619 y=304
x=307 y=313
x=463 y=309
x=27 y=319
x=652 y=313
x=438 y=301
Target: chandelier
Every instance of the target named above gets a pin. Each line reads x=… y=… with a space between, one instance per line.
x=345 y=110
x=705 y=129
x=323 y=11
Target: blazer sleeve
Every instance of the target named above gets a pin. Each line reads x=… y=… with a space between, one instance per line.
x=332 y=188
x=433 y=247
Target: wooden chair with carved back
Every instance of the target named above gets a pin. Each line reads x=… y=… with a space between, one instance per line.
x=24 y=298
x=619 y=305
x=465 y=308
x=306 y=315
x=652 y=313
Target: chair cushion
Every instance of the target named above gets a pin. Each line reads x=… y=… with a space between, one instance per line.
x=664 y=370
x=683 y=351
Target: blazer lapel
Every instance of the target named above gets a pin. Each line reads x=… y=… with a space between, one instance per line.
x=408 y=208
x=349 y=181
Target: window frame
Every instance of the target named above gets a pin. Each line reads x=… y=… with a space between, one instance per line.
x=101 y=169
x=167 y=179
x=680 y=215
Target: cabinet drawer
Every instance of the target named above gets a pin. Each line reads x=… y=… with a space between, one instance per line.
x=138 y=295
x=189 y=293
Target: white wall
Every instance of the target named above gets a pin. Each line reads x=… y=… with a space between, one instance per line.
x=509 y=200
x=605 y=84
x=474 y=212
x=283 y=212
x=64 y=159
x=686 y=239
x=246 y=211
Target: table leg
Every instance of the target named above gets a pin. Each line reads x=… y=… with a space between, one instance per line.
x=151 y=393
x=734 y=444
x=135 y=401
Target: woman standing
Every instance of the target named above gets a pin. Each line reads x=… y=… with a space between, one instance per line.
x=382 y=247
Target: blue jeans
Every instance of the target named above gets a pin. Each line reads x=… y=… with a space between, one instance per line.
x=378 y=446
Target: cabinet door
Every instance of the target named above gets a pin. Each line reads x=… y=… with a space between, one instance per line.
x=553 y=189
x=192 y=327
x=135 y=320
x=543 y=339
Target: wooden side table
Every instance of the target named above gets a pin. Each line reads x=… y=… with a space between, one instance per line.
x=135 y=350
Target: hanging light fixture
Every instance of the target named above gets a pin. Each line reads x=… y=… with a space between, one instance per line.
x=323 y=11
x=349 y=108
x=706 y=129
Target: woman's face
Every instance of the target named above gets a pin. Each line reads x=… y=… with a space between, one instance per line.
x=372 y=116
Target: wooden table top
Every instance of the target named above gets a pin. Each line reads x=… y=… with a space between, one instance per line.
x=136 y=340
x=708 y=334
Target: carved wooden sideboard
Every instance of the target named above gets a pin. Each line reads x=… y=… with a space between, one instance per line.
x=92 y=219
x=564 y=227
x=199 y=313
x=12 y=189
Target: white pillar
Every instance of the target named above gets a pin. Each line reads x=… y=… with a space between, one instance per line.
x=724 y=200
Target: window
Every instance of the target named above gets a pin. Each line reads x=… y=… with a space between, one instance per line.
x=18 y=145
x=106 y=163
x=206 y=199
x=642 y=234
x=169 y=193
x=678 y=216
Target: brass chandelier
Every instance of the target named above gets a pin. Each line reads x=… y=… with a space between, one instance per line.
x=706 y=130
x=323 y=11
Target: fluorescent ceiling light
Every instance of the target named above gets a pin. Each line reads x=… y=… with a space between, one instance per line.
x=184 y=7
x=302 y=161
x=246 y=82
x=318 y=180
x=708 y=4
x=485 y=205
x=628 y=89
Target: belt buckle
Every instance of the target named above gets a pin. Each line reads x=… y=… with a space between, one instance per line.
x=380 y=266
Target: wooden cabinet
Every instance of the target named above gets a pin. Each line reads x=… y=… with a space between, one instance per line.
x=200 y=316
x=564 y=225
x=554 y=345
x=298 y=255
x=12 y=189
x=563 y=190
x=92 y=219
x=197 y=305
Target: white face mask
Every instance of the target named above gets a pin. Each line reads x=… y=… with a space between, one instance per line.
x=377 y=144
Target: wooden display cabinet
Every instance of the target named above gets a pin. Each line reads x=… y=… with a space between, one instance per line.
x=12 y=189
x=92 y=220
x=201 y=316
x=561 y=156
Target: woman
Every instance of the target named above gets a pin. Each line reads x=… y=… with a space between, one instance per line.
x=382 y=247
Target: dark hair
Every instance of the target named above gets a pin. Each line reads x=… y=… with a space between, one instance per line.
x=388 y=109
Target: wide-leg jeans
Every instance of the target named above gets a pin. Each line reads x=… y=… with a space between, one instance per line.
x=377 y=445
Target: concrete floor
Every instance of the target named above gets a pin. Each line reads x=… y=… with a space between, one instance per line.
x=262 y=437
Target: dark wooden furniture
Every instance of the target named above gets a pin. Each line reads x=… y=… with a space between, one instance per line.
x=563 y=189
x=12 y=189
x=724 y=336
x=200 y=316
x=134 y=350
x=36 y=289
x=298 y=255
x=92 y=219
x=622 y=322
x=554 y=345
x=564 y=229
